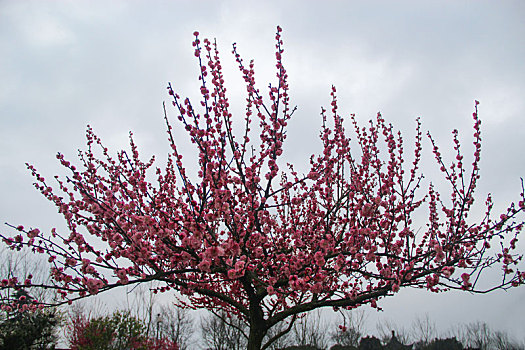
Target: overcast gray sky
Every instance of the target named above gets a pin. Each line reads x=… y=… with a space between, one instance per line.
x=66 y=64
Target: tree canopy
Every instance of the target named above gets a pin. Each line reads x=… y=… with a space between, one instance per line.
x=254 y=237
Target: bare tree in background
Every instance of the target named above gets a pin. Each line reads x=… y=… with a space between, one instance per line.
x=142 y=302
x=91 y=309
x=385 y=329
x=286 y=337
x=351 y=330
x=161 y=320
x=424 y=329
x=480 y=336
x=221 y=332
x=175 y=324
x=502 y=341
x=311 y=330
x=16 y=263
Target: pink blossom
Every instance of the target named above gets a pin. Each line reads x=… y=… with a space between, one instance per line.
x=313 y=175
x=123 y=276
x=465 y=277
x=319 y=259
x=205 y=265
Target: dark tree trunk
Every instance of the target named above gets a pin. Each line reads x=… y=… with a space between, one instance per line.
x=255 y=338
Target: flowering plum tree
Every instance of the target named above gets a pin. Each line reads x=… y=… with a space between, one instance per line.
x=265 y=244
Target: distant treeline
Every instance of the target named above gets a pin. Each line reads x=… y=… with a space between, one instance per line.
x=146 y=325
